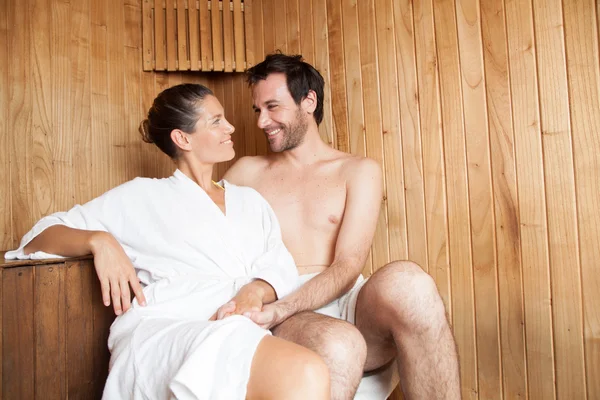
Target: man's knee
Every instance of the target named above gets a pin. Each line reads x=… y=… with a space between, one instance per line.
x=344 y=344
x=408 y=294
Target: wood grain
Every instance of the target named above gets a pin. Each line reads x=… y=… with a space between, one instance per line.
x=512 y=322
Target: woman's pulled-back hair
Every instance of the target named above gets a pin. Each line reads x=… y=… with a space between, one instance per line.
x=174 y=108
x=301 y=77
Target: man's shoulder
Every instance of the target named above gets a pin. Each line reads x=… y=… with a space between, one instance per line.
x=245 y=168
x=358 y=165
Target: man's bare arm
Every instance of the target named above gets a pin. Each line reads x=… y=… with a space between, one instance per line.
x=363 y=202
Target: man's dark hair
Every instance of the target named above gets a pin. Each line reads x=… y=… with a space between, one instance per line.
x=301 y=77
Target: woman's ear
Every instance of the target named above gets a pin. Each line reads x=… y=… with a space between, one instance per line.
x=181 y=139
x=309 y=102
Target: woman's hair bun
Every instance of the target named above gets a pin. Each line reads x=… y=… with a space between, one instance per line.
x=145 y=131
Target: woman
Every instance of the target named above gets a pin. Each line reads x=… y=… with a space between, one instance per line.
x=196 y=244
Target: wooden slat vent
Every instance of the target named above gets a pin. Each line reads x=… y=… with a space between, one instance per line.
x=197 y=35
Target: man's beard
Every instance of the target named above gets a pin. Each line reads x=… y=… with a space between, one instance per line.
x=292 y=135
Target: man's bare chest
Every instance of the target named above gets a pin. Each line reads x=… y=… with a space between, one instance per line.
x=313 y=202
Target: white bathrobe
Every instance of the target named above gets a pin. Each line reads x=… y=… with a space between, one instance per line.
x=192 y=259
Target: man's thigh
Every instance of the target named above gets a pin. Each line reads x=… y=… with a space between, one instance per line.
x=310 y=329
x=370 y=321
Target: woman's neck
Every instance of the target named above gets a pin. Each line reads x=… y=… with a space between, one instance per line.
x=199 y=173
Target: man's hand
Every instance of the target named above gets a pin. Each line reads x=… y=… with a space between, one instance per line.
x=248 y=299
x=116 y=273
x=270 y=316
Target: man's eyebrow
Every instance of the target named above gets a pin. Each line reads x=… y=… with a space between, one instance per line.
x=268 y=102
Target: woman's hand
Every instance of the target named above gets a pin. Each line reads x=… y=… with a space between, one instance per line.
x=116 y=273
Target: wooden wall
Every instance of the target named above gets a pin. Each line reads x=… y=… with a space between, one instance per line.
x=485 y=115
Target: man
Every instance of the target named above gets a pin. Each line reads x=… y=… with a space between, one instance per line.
x=327 y=203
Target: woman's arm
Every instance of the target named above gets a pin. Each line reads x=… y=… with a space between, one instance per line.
x=114 y=269
x=64 y=241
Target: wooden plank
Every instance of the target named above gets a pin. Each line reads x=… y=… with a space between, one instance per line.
x=532 y=203
x=100 y=106
x=171 y=35
x=458 y=201
x=20 y=117
x=293 y=26
x=50 y=328
x=414 y=192
x=79 y=351
x=268 y=26
x=483 y=244
x=6 y=238
x=62 y=106
x=18 y=358
x=249 y=33
x=565 y=266
x=512 y=323
x=42 y=125
x=337 y=79
x=583 y=75
x=217 y=42
x=353 y=94
x=147 y=34
x=102 y=318
x=160 y=36
x=227 y=37
x=307 y=42
x=280 y=26
x=430 y=124
x=134 y=163
x=321 y=34
x=205 y=36
x=351 y=67
x=116 y=90
x=194 y=32
x=81 y=114
x=393 y=144
x=238 y=35
x=373 y=125
x=257 y=27
x=182 y=31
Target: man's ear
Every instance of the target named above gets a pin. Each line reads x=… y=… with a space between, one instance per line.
x=181 y=139
x=309 y=102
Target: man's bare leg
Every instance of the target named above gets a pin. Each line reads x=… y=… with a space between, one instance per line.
x=339 y=344
x=399 y=312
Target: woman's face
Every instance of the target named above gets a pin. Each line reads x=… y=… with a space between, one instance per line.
x=211 y=140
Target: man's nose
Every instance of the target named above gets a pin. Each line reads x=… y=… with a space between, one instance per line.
x=263 y=120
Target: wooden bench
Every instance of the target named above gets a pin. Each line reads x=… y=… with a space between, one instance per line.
x=53 y=330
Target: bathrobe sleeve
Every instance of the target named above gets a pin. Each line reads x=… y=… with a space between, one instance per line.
x=276 y=265
x=94 y=215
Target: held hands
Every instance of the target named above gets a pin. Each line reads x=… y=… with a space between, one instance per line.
x=116 y=273
x=248 y=299
x=271 y=315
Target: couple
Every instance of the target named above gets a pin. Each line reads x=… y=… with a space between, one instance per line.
x=220 y=263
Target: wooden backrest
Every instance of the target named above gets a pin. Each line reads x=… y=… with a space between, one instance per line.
x=53 y=330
